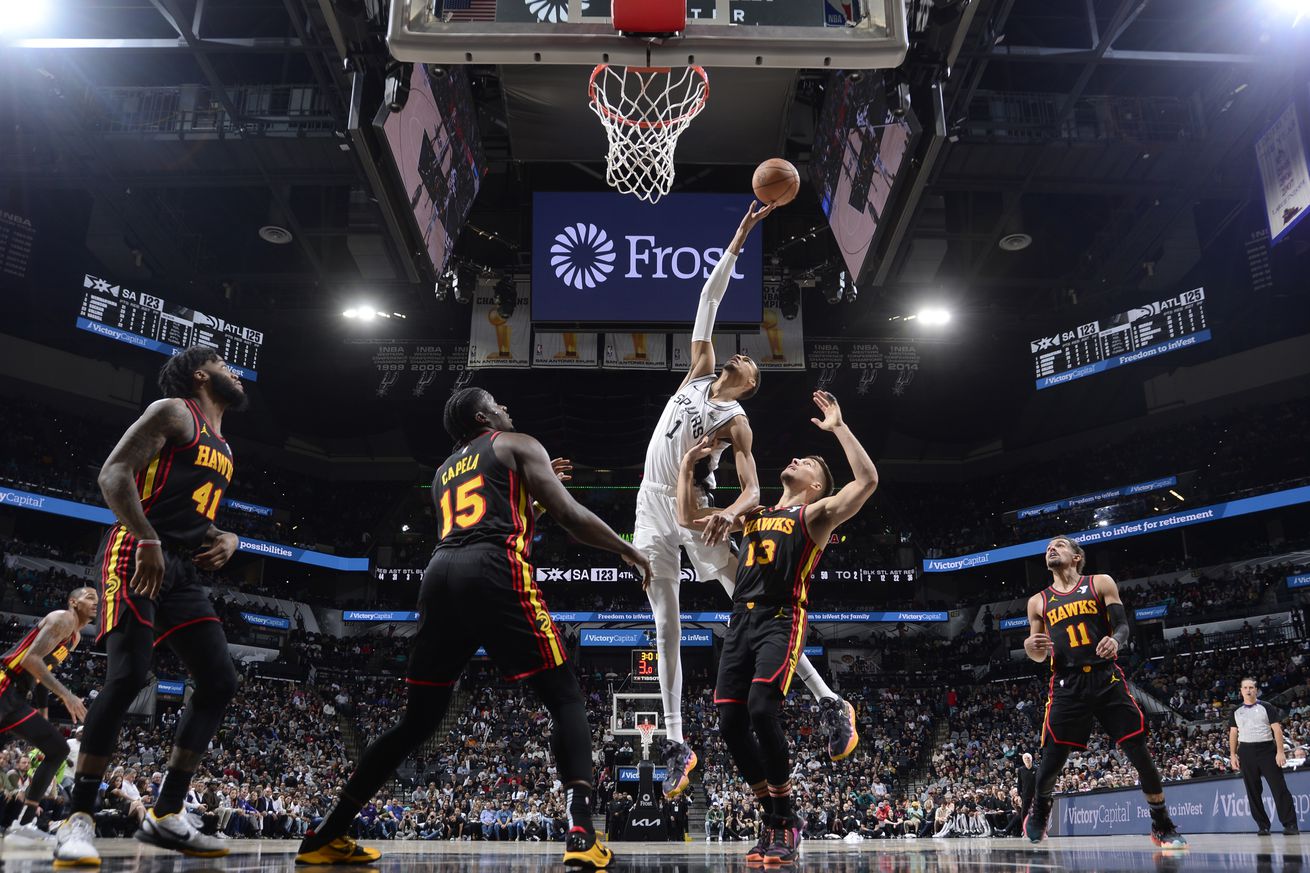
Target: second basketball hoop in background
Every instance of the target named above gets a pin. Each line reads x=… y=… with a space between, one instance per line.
x=776 y=181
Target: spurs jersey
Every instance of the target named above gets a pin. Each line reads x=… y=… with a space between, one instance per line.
x=1075 y=621
x=777 y=558
x=182 y=486
x=481 y=500
x=689 y=415
x=11 y=663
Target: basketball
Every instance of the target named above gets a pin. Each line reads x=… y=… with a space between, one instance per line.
x=776 y=181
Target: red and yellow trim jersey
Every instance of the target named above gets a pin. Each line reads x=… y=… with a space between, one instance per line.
x=777 y=558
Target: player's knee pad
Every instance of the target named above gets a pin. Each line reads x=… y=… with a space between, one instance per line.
x=763 y=703
x=1135 y=751
x=734 y=720
x=1054 y=757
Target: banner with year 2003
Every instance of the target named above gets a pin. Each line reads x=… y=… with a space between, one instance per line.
x=497 y=341
x=780 y=344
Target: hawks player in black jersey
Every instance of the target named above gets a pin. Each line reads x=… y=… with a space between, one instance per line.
x=1078 y=623
x=24 y=667
x=480 y=590
x=780 y=549
x=164 y=481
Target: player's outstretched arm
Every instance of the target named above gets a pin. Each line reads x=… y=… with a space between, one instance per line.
x=690 y=514
x=824 y=515
x=534 y=465
x=702 y=332
x=1038 y=644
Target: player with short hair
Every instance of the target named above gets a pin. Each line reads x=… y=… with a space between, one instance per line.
x=479 y=589
x=707 y=405
x=26 y=665
x=780 y=549
x=1079 y=624
x=164 y=481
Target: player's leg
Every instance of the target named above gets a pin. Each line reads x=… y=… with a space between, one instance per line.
x=1123 y=719
x=657 y=536
x=731 y=695
x=1067 y=725
x=777 y=639
x=38 y=732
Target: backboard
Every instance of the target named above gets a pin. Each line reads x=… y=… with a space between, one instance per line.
x=794 y=34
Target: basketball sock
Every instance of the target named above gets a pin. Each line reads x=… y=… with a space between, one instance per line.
x=673 y=725
x=83 y=795
x=578 y=800
x=29 y=814
x=173 y=791
x=781 y=795
x=813 y=681
x=761 y=791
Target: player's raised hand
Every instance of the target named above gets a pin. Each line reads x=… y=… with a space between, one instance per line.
x=1107 y=648
x=703 y=448
x=561 y=467
x=1038 y=646
x=831 y=411
x=755 y=214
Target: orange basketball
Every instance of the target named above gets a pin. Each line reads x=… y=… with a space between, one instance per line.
x=776 y=181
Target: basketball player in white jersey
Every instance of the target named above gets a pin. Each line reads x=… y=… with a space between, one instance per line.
x=708 y=405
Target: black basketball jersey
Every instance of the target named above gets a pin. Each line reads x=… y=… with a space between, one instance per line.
x=481 y=500
x=1075 y=621
x=776 y=559
x=182 y=486
x=11 y=662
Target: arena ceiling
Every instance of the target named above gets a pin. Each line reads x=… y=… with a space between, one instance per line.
x=1117 y=134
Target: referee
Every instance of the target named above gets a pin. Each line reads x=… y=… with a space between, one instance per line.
x=1255 y=741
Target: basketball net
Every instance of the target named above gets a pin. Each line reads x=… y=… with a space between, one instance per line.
x=645 y=110
x=646 y=731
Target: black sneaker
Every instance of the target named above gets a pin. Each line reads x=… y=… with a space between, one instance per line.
x=1293 y=831
x=1263 y=832
x=786 y=846
x=1034 y=824
x=679 y=760
x=837 y=718
x=1164 y=834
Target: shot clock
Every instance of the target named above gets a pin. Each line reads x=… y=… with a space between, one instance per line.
x=645 y=666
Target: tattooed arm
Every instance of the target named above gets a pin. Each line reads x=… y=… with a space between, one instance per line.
x=54 y=629
x=164 y=421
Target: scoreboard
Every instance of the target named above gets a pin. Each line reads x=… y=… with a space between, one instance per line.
x=645 y=666
x=149 y=322
x=1142 y=332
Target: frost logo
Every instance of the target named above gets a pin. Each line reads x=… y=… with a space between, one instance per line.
x=553 y=11
x=583 y=255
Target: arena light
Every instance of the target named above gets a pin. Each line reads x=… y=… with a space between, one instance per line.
x=934 y=316
x=363 y=312
x=1298 y=9
x=1105 y=522
x=23 y=17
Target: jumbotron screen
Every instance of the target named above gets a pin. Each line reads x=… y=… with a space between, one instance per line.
x=437 y=155
x=860 y=150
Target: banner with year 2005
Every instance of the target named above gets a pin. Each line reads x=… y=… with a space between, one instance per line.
x=497 y=341
x=636 y=351
x=568 y=349
x=780 y=344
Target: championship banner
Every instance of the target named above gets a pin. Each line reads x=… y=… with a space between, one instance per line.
x=568 y=349
x=1281 y=156
x=1198 y=806
x=636 y=351
x=780 y=344
x=496 y=341
x=725 y=346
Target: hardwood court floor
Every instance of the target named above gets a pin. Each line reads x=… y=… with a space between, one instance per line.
x=1208 y=852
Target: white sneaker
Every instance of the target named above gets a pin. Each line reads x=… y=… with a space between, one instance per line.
x=27 y=836
x=176 y=832
x=75 y=842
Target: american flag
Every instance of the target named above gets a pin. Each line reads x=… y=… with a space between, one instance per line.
x=468 y=10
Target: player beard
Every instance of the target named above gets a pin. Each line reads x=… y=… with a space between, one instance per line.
x=227 y=393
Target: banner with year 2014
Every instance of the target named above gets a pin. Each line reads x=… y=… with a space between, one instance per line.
x=497 y=341
x=780 y=344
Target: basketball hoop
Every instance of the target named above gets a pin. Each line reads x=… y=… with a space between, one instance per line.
x=646 y=731
x=645 y=110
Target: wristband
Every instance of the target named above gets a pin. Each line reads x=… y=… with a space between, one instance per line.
x=538 y=508
x=156 y=543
